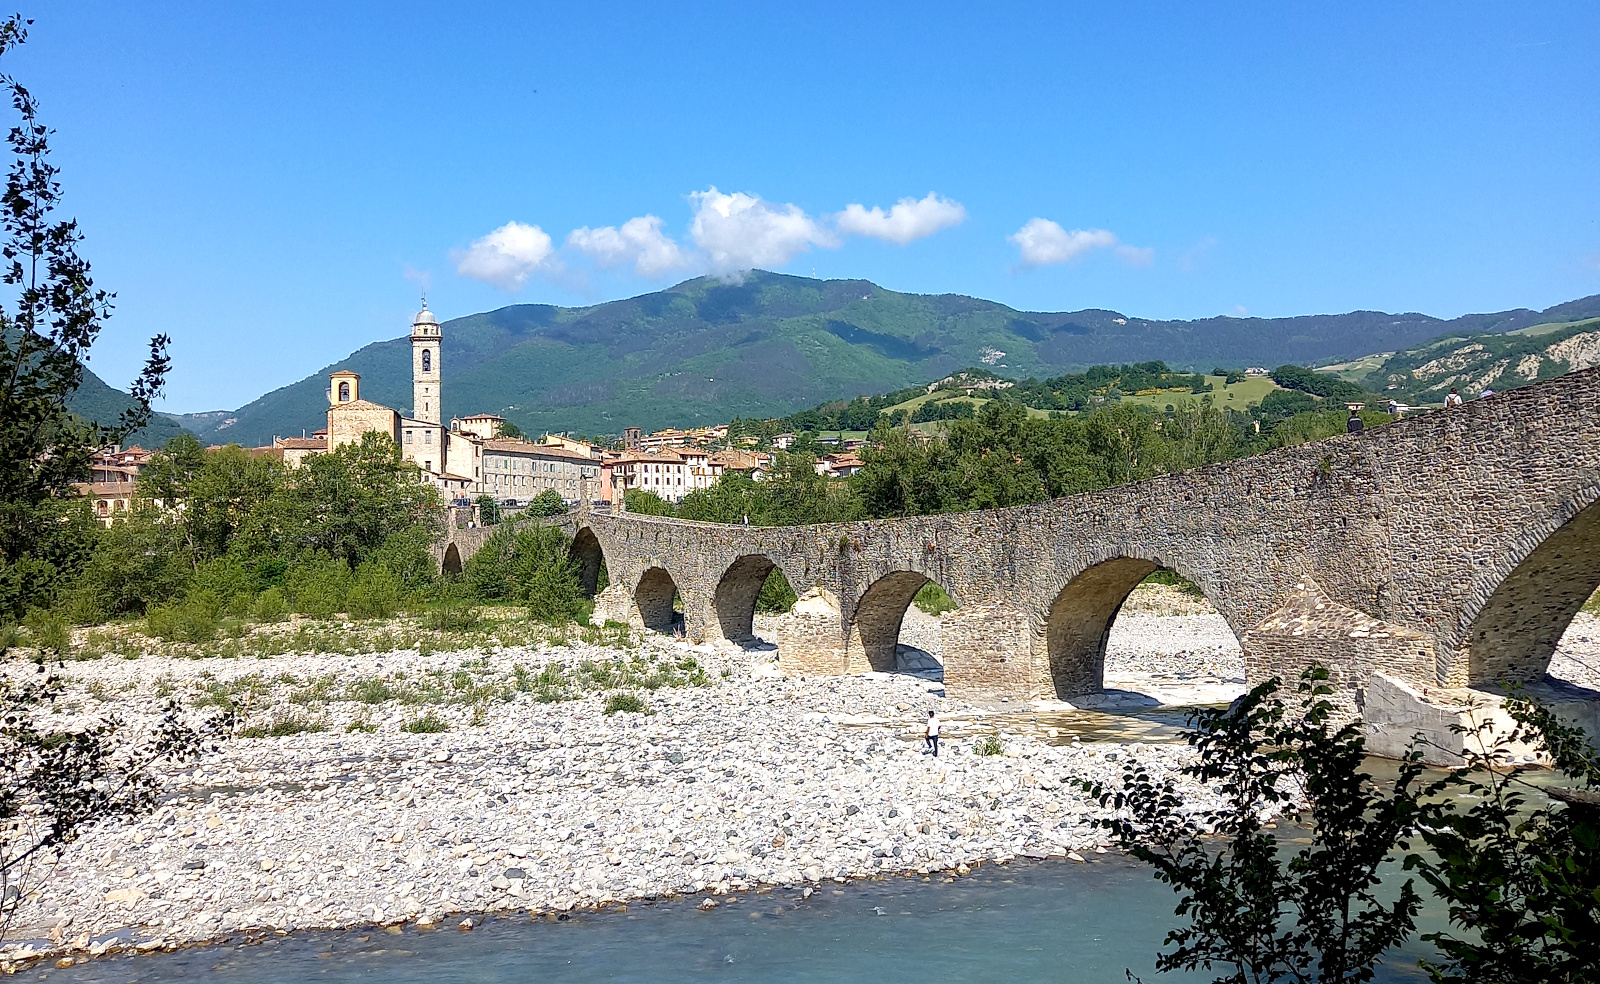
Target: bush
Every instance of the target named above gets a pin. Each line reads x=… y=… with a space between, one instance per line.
x=627 y=703
x=553 y=595
x=187 y=621
x=933 y=599
x=374 y=592
x=428 y=724
x=317 y=586
x=271 y=605
x=453 y=610
x=223 y=579
x=776 y=595
x=284 y=726
x=47 y=632
x=990 y=746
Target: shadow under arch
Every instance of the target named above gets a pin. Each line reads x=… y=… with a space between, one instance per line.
x=654 y=597
x=1078 y=623
x=880 y=613
x=585 y=550
x=737 y=593
x=451 y=564
x=1513 y=634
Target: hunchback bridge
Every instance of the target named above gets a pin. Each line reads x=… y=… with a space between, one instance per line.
x=1450 y=549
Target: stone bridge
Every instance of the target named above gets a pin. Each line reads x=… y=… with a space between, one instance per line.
x=1447 y=550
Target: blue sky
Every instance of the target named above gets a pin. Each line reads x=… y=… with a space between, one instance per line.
x=268 y=182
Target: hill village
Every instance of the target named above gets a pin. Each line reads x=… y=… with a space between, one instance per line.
x=477 y=455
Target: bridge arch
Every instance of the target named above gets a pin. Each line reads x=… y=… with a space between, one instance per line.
x=1520 y=608
x=880 y=614
x=734 y=600
x=451 y=562
x=1077 y=624
x=654 y=598
x=590 y=558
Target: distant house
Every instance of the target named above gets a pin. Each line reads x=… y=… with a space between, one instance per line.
x=295 y=450
x=1257 y=371
x=756 y=464
x=841 y=465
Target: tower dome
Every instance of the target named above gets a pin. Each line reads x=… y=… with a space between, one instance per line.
x=424 y=317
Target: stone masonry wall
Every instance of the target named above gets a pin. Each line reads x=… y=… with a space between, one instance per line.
x=1415 y=524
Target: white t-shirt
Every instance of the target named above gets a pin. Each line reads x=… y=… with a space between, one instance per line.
x=933 y=727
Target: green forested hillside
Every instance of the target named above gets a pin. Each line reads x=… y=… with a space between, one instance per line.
x=704 y=351
x=97 y=401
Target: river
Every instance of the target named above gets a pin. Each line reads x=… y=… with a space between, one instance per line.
x=1029 y=921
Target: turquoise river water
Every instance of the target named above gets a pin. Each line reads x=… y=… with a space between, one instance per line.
x=1034 y=921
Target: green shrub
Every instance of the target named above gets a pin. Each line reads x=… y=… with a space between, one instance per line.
x=47 y=631
x=271 y=605
x=427 y=724
x=317 y=586
x=933 y=599
x=372 y=690
x=374 y=592
x=223 y=579
x=284 y=726
x=553 y=594
x=626 y=702
x=776 y=595
x=990 y=746
x=187 y=621
x=452 y=611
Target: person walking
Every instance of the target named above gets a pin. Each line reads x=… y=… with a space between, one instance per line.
x=1453 y=400
x=1354 y=424
x=930 y=740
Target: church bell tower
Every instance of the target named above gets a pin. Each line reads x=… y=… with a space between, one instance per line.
x=425 y=366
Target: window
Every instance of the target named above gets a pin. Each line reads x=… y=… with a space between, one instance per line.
x=408 y=437
x=427 y=437
x=344 y=392
x=427 y=361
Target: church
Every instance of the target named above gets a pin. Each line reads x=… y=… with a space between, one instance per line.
x=469 y=456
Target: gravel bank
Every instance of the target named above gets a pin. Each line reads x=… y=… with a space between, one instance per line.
x=743 y=780
x=749 y=779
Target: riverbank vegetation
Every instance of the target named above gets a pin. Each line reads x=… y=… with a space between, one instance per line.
x=1519 y=881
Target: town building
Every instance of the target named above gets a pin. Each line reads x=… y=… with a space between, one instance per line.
x=663 y=472
x=520 y=470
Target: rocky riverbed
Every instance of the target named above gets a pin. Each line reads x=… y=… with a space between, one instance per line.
x=353 y=806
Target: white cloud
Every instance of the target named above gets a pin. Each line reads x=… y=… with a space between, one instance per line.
x=1044 y=243
x=640 y=241
x=508 y=256
x=740 y=232
x=1136 y=255
x=909 y=219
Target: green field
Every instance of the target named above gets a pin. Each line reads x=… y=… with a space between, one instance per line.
x=1235 y=397
x=1554 y=326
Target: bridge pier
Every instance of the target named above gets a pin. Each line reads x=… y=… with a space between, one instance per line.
x=990 y=653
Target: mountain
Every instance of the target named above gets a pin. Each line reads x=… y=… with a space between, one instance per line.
x=1473 y=362
x=704 y=351
x=96 y=400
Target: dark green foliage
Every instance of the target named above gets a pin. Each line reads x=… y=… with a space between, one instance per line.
x=529 y=564
x=54 y=314
x=776 y=595
x=626 y=702
x=646 y=503
x=1323 y=384
x=1247 y=902
x=1522 y=883
x=375 y=592
x=428 y=723
x=547 y=503
x=488 y=510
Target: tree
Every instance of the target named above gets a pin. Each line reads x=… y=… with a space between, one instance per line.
x=348 y=502
x=55 y=782
x=1313 y=915
x=547 y=503
x=1522 y=883
x=508 y=429
x=45 y=336
x=488 y=509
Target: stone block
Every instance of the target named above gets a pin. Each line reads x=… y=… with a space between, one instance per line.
x=989 y=654
x=1396 y=711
